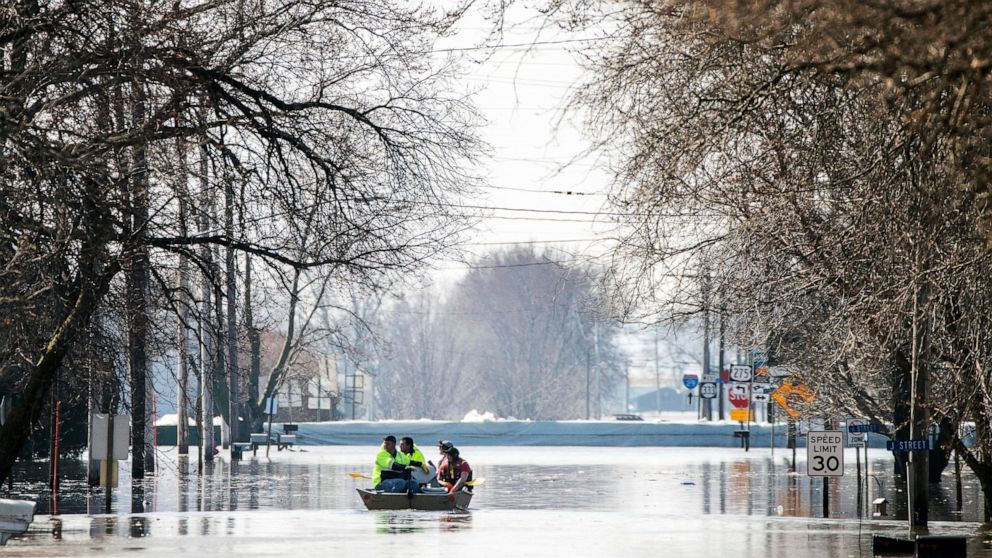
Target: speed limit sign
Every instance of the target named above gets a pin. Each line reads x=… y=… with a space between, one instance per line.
x=825 y=454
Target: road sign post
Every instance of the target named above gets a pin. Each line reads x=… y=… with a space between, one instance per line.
x=857 y=437
x=825 y=458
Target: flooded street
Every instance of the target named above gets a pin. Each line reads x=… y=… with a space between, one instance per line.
x=535 y=501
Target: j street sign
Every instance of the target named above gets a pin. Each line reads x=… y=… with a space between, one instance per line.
x=908 y=445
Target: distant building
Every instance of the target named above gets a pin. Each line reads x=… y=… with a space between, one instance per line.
x=310 y=390
x=669 y=399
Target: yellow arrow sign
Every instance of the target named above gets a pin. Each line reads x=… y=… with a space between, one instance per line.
x=791 y=397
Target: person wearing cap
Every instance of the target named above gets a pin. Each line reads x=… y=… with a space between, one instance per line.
x=454 y=472
x=442 y=447
x=390 y=471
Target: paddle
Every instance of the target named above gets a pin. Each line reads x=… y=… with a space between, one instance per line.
x=473 y=482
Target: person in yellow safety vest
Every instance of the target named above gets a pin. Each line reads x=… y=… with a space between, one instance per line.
x=389 y=474
x=412 y=454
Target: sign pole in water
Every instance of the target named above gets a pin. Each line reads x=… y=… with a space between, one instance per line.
x=690 y=381
x=825 y=458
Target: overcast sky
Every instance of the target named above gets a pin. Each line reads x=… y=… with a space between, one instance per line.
x=522 y=91
x=539 y=151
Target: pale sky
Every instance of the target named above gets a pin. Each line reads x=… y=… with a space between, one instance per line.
x=539 y=152
x=522 y=92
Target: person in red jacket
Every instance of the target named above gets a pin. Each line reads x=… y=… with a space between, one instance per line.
x=454 y=472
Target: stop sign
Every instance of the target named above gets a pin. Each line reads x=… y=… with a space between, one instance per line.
x=739 y=394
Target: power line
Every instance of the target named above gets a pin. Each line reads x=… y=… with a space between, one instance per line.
x=548 y=219
x=508 y=243
x=561 y=192
x=522 y=45
x=562 y=263
x=533 y=210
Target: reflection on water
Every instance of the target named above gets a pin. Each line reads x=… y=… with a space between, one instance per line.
x=391 y=522
x=536 y=501
x=719 y=481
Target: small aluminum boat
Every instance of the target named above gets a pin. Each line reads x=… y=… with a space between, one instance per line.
x=15 y=517
x=426 y=501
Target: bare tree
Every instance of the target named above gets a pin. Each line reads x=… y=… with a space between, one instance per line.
x=536 y=335
x=831 y=224
x=330 y=110
x=423 y=371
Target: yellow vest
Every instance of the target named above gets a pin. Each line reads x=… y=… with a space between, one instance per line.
x=384 y=461
x=417 y=455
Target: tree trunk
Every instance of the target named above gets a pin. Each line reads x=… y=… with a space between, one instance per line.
x=901 y=397
x=254 y=416
x=920 y=416
x=93 y=406
x=279 y=370
x=234 y=405
x=137 y=304
x=91 y=288
x=220 y=393
x=207 y=346
x=183 y=349
x=985 y=480
x=940 y=455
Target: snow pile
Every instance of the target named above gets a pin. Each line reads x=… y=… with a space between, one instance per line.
x=476 y=416
x=172 y=419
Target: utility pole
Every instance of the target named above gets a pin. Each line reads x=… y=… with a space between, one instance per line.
x=720 y=365
x=595 y=349
x=657 y=372
x=588 y=381
x=207 y=345
x=230 y=274
x=626 y=399
x=917 y=468
x=706 y=403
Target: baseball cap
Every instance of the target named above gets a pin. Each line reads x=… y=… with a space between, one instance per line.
x=445 y=445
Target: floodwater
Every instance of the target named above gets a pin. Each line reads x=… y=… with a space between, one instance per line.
x=535 y=501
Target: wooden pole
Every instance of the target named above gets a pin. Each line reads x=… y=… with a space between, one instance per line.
x=109 y=462
x=857 y=456
x=917 y=474
x=55 y=459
